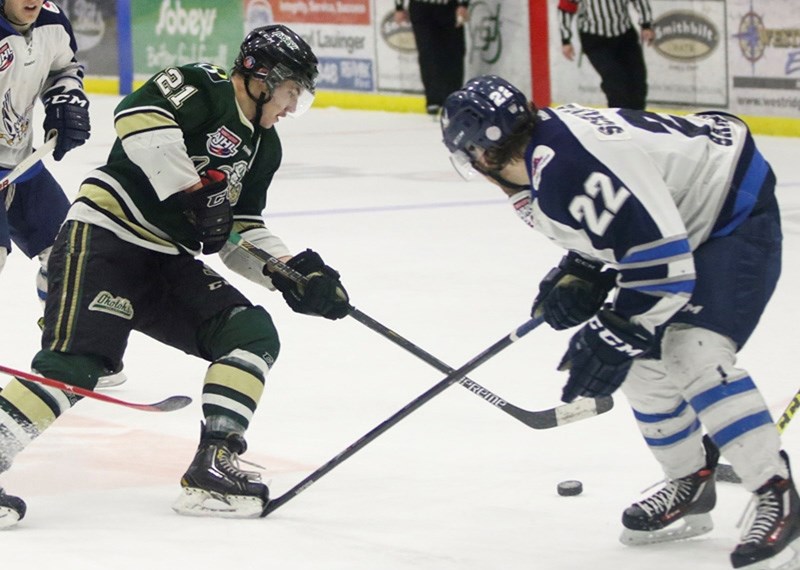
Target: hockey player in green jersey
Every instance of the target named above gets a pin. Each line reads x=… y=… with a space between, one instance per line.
x=195 y=154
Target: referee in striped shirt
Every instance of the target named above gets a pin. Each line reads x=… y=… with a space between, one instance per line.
x=612 y=45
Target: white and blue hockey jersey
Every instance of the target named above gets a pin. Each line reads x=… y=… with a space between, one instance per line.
x=640 y=191
x=30 y=65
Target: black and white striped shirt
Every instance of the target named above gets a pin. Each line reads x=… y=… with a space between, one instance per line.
x=609 y=18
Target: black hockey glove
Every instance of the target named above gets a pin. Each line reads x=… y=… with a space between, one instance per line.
x=209 y=211
x=600 y=355
x=322 y=293
x=573 y=292
x=67 y=113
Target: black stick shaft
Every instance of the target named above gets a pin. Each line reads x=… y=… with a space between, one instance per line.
x=537 y=419
x=370 y=436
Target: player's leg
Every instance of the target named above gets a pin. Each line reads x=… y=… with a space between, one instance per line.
x=736 y=275
x=76 y=342
x=632 y=93
x=36 y=214
x=600 y=52
x=671 y=430
x=209 y=318
x=5 y=236
x=245 y=344
x=422 y=16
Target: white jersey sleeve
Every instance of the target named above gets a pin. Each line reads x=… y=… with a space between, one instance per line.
x=241 y=262
x=31 y=64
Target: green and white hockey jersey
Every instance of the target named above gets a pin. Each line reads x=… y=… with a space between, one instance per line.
x=182 y=122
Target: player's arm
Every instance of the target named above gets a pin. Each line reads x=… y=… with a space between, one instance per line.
x=566 y=14
x=321 y=291
x=65 y=102
x=150 y=124
x=636 y=227
x=242 y=263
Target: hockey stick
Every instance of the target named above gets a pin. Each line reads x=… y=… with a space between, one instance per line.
x=392 y=420
x=28 y=162
x=725 y=472
x=170 y=404
x=538 y=419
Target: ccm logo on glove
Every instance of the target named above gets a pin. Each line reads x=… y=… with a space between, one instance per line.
x=69 y=98
x=217 y=199
x=613 y=340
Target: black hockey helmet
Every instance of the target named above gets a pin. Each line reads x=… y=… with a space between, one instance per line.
x=481 y=115
x=275 y=53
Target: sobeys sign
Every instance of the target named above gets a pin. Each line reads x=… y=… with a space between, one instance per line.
x=176 y=32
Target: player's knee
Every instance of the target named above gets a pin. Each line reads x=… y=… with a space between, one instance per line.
x=78 y=370
x=692 y=354
x=249 y=329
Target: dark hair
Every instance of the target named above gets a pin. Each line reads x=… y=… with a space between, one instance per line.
x=514 y=146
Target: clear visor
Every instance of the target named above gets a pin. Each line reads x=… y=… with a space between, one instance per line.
x=302 y=102
x=301 y=91
x=464 y=162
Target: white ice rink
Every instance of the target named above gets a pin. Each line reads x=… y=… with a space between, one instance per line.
x=458 y=485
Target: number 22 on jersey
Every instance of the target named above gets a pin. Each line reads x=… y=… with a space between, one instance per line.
x=598 y=217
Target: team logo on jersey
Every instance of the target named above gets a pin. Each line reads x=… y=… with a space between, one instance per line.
x=6 y=57
x=50 y=7
x=215 y=73
x=15 y=125
x=105 y=302
x=223 y=143
x=522 y=202
x=541 y=157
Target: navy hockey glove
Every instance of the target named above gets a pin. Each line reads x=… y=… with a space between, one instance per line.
x=322 y=294
x=209 y=211
x=573 y=292
x=600 y=355
x=67 y=113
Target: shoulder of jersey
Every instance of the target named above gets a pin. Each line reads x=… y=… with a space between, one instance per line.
x=205 y=73
x=52 y=14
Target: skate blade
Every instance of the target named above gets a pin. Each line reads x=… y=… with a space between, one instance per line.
x=787 y=559
x=8 y=517
x=111 y=380
x=202 y=503
x=688 y=527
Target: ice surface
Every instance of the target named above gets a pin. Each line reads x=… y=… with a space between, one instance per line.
x=456 y=485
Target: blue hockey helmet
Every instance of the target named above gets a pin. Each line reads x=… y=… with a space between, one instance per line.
x=481 y=115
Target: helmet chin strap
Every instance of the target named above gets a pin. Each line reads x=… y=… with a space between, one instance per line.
x=495 y=175
x=260 y=101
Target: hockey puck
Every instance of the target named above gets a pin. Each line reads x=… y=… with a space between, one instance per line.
x=570 y=488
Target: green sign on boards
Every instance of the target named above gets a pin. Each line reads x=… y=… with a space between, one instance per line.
x=176 y=32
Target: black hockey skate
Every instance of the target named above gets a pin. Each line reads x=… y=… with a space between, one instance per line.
x=12 y=510
x=776 y=525
x=214 y=485
x=687 y=499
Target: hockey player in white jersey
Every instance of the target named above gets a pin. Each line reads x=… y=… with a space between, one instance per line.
x=37 y=60
x=681 y=213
